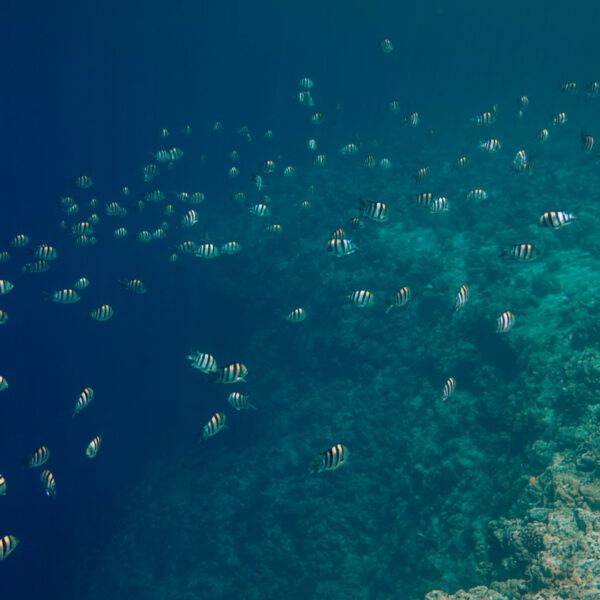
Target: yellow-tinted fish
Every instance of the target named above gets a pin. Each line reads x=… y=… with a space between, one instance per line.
x=48 y=483
x=214 y=425
x=362 y=298
x=462 y=297
x=93 y=447
x=8 y=543
x=38 y=457
x=448 y=389
x=231 y=373
x=83 y=400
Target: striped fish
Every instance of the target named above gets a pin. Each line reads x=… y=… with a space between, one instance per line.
x=45 y=252
x=559 y=118
x=207 y=250
x=37 y=266
x=3 y=383
x=120 y=233
x=542 y=135
x=477 y=194
x=82 y=283
x=4 y=256
x=144 y=236
x=216 y=423
x=231 y=373
x=412 y=119
x=48 y=483
x=462 y=297
x=357 y=223
x=203 y=362
x=400 y=298
x=362 y=298
x=376 y=211
x=369 y=161
x=93 y=447
x=485 y=118
x=448 y=389
x=421 y=174
x=150 y=171
x=296 y=316
x=65 y=296
x=424 y=199
x=189 y=219
x=197 y=197
x=38 y=457
x=505 y=322
x=82 y=228
x=439 y=205
x=260 y=210
x=135 y=286
x=3 y=317
x=19 y=241
x=274 y=228
x=239 y=401
x=83 y=400
x=490 y=146
x=5 y=287
x=187 y=247
x=460 y=163
x=230 y=248
x=83 y=182
x=2 y=485
x=524 y=251
x=556 y=219
x=587 y=142
x=102 y=313
x=341 y=246
x=331 y=459
x=7 y=545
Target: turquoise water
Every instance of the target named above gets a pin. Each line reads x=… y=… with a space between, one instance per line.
x=429 y=483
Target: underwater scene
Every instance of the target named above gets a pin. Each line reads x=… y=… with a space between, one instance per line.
x=300 y=300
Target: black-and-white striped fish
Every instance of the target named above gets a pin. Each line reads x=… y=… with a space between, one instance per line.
x=462 y=297
x=154 y=196
x=8 y=543
x=559 y=118
x=232 y=247
x=4 y=256
x=523 y=251
x=204 y=362
x=570 y=87
x=376 y=211
x=592 y=89
x=38 y=457
x=543 y=135
x=340 y=247
x=102 y=313
x=45 y=252
x=231 y=373
x=187 y=247
x=487 y=117
x=477 y=194
x=424 y=199
x=274 y=228
x=82 y=284
x=150 y=171
x=400 y=298
x=82 y=228
x=83 y=182
x=260 y=210
x=207 y=250
x=421 y=174
x=587 y=142
x=37 y=266
x=362 y=298
x=296 y=316
x=460 y=163
x=520 y=162
x=144 y=236
x=214 y=425
x=439 y=205
x=413 y=119
x=448 y=389
x=120 y=233
x=65 y=296
x=490 y=146
x=19 y=241
x=83 y=400
x=136 y=286
x=3 y=317
x=3 y=486
x=240 y=401
x=556 y=219
x=505 y=322
x=331 y=459
x=93 y=447
x=189 y=219
x=48 y=483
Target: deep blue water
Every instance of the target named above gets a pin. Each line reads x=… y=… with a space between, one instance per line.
x=85 y=88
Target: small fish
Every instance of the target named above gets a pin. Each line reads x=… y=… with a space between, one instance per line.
x=362 y=298
x=386 y=46
x=556 y=219
x=462 y=297
x=186 y=130
x=587 y=142
x=331 y=459
x=120 y=233
x=189 y=219
x=232 y=247
x=400 y=298
x=38 y=266
x=239 y=401
x=348 y=149
x=490 y=146
x=448 y=389
x=289 y=171
x=149 y=172
x=439 y=205
x=93 y=447
x=268 y=135
x=48 y=483
x=231 y=373
x=233 y=172
x=394 y=106
x=154 y=196
x=341 y=246
x=114 y=209
x=187 y=247
x=421 y=174
x=260 y=210
x=542 y=135
x=320 y=160
x=376 y=211
x=217 y=127
x=83 y=182
x=485 y=118
x=520 y=162
x=570 y=87
x=505 y=322
x=163 y=133
x=38 y=457
x=19 y=241
x=592 y=89
x=143 y=236
x=523 y=102
x=268 y=166
x=424 y=199
x=125 y=191
x=523 y=251
x=312 y=144
x=3 y=485
x=204 y=362
x=3 y=317
x=214 y=425
x=317 y=118
x=477 y=194
x=6 y=287
x=45 y=252
x=369 y=161
x=82 y=228
x=83 y=400
x=297 y=315
x=136 y=286
x=559 y=118
x=412 y=119
x=460 y=163
x=3 y=383
x=65 y=296
x=102 y=313
x=8 y=543
x=357 y=223
x=258 y=182
x=274 y=228
x=207 y=250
